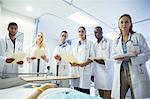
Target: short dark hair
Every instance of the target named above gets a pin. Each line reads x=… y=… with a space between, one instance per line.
x=98 y=27
x=64 y=32
x=12 y=23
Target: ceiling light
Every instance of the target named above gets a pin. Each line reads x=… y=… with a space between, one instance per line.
x=82 y=19
x=29 y=8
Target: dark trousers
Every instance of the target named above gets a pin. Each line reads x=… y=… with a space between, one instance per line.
x=82 y=90
x=125 y=83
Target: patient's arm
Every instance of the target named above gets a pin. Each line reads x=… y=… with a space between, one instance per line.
x=41 y=89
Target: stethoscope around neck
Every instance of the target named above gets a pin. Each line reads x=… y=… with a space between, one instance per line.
x=103 y=43
x=129 y=40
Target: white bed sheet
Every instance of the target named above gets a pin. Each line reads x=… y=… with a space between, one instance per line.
x=18 y=92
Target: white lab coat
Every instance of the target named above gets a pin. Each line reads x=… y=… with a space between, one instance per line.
x=82 y=52
x=103 y=74
x=7 y=48
x=64 y=67
x=33 y=63
x=139 y=75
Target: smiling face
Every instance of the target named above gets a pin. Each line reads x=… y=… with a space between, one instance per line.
x=12 y=29
x=39 y=38
x=125 y=24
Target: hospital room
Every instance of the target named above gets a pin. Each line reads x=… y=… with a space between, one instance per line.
x=74 y=49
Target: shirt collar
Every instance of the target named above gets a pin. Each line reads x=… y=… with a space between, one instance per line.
x=102 y=40
x=81 y=42
x=63 y=45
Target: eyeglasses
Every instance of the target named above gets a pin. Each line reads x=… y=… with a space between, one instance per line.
x=80 y=31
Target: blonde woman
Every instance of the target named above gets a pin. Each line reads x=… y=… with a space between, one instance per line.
x=38 y=57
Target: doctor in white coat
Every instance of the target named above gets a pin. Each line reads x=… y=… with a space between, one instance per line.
x=82 y=51
x=103 y=70
x=62 y=67
x=8 y=45
x=41 y=61
x=130 y=72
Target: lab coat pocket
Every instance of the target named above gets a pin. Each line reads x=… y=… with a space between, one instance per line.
x=134 y=48
x=142 y=72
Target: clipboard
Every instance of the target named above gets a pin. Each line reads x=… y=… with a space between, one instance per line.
x=69 y=58
x=124 y=55
x=38 y=53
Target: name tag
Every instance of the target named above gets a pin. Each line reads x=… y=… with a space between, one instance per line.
x=135 y=44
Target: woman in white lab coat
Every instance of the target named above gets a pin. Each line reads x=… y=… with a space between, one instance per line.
x=103 y=71
x=130 y=72
x=82 y=51
x=39 y=44
x=10 y=44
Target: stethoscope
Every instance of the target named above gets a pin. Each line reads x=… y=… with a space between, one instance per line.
x=82 y=46
x=130 y=40
x=103 y=44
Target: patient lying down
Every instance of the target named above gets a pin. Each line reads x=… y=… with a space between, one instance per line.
x=50 y=91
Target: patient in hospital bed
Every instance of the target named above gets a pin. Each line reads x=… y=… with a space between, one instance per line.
x=50 y=91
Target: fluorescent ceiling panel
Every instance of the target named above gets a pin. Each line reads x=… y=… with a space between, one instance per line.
x=82 y=19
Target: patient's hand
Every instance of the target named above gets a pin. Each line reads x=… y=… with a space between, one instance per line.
x=44 y=87
x=48 y=85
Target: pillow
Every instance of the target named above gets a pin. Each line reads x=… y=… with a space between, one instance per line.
x=65 y=93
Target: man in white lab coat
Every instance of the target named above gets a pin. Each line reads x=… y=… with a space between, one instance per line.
x=8 y=45
x=82 y=51
x=62 y=68
x=103 y=70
